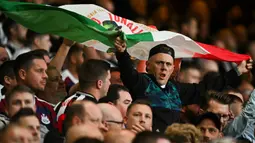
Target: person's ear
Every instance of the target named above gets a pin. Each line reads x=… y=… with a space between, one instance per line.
x=73 y=59
x=105 y=124
x=36 y=41
x=110 y=103
x=125 y=120
x=201 y=111
x=22 y=74
x=100 y=84
x=147 y=66
x=7 y=80
x=172 y=70
x=76 y=120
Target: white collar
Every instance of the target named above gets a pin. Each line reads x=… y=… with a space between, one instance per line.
x=85 y=94
x=163 y=86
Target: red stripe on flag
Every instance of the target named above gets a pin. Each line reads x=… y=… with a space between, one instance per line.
x=222 y=54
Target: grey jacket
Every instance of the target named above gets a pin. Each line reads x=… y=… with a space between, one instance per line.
x=243 y=125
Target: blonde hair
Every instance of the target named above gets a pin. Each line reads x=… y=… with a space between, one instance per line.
x=183 y=133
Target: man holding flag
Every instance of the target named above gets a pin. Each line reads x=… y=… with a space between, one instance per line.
x=166 y=96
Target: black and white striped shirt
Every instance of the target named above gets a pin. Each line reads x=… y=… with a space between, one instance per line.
x=62 y=106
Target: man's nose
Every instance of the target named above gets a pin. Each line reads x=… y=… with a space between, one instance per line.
x=207 y=135
x=142 y=119
x=23 y=105
x=163 y=66
x=45 y=75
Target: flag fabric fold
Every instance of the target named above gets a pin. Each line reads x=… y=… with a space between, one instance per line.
x=96 y=27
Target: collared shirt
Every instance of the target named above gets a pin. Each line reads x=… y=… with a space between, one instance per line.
x=62 y=106
x=44 y=112
x=243 y=125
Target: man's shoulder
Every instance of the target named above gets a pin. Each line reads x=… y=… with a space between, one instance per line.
x=76 y=96
x=43 y=104
x=61 y=107
x=4 y=120
x=68 y=100
x=4 y=117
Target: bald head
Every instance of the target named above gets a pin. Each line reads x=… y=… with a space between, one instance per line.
x=85 y=130
x=111 y=116
x=84 y=112
x=110 y=112
x=123 y=136
x=14 y=133
x=90 y=109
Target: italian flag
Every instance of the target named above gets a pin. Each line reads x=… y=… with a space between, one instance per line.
x=96 y=27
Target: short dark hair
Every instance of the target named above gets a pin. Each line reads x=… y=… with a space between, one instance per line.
x=149 y=137
x=16 y=89
x=87 y=140
x=217 y=96
x=113 y=93
x=23 y=112
x=73 y=50
x=24 y=61
x=7 y=69
x=138 y=102
x=7 y=25
x=40 y=52
x=31 y=35
x=76 y=109
x=91 y=71
x=209 y=115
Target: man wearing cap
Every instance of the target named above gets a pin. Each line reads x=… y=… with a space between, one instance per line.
x=209 y=125
x=167 y=96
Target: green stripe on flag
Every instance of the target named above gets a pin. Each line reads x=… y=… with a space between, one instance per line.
x=135 y=38
x=70 y=25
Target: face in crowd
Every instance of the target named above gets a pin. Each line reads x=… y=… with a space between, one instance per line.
x=123 y=102
x=161 y=65
x=209 y=130
x=35 y=77
x=222 y=110
x=17 y=134
x=139 y=117
x=20 y=100
x=33 y=125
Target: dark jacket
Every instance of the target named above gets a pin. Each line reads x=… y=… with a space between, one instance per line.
x=137 y=83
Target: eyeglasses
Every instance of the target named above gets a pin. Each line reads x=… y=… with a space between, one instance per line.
x=116 y=122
